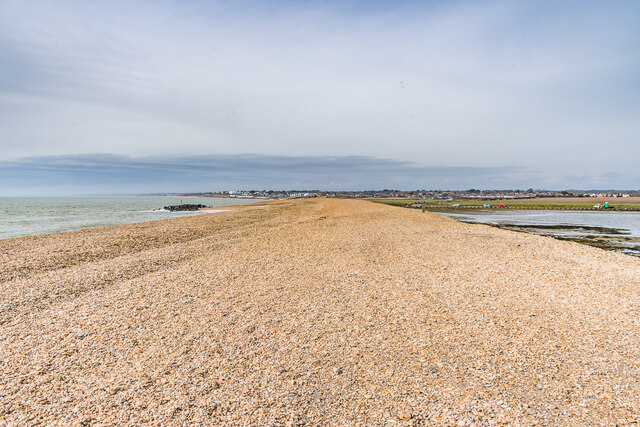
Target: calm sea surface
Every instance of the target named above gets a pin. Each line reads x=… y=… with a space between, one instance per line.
x=620 y=228
x=25 y=216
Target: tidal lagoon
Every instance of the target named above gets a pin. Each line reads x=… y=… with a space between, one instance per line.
x=619 y=231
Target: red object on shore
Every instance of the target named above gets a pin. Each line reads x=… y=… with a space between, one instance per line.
x=501 y=206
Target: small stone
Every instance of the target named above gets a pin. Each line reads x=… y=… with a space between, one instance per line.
x=405 y=414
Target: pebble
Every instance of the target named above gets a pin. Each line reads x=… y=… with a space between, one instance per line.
x=321 y=311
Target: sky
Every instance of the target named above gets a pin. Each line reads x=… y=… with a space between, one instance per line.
x=187 y=96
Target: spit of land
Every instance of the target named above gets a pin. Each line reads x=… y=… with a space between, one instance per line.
x=317 y=311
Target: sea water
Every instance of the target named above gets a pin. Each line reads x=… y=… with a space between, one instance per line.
x=623 y=227
x=26 y=216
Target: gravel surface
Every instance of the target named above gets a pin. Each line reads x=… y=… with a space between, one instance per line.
x=316 y=311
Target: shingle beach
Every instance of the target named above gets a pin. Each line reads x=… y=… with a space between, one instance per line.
x=318 y=311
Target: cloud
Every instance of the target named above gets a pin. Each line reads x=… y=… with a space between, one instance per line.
x=551 y=87
x=116 y=174
x=102 y=173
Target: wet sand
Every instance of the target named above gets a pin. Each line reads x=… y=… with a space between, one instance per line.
x=316 y=311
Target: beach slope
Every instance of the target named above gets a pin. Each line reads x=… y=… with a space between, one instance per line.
x=316 y=311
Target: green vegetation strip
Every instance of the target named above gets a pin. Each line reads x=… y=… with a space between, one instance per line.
x=431 y=204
